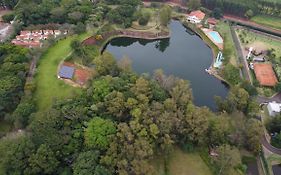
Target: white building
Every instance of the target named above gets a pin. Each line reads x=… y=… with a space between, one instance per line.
x=274 y=108
x=196 y=17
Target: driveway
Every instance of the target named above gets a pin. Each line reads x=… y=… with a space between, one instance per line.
x=269 y=147
x=276 y=98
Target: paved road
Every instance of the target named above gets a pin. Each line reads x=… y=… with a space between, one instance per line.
x=276 y=98
x=269 y=147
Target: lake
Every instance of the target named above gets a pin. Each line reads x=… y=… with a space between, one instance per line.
x=184 y=55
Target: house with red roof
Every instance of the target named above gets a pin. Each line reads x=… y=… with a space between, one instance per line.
x=196 y=16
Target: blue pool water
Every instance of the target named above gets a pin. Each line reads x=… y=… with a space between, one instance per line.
x=216 y=37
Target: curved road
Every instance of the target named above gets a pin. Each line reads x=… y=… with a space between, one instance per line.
x=268 y=146
x=276 y=98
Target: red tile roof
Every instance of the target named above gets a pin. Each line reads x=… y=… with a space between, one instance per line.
x=25 y=32
x=199 y=14
x=265 y=74
x=212 y=21
x=82 y=76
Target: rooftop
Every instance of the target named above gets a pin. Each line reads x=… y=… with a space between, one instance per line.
x=265 y=74
x=212 y=21
x=276 y=107
x=66 y=72
x=198 y=14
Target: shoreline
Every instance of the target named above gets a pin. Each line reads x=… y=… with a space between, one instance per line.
x=141 y=35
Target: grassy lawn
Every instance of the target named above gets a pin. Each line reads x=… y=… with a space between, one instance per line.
x=49 y=87
x=181 y=163
x=269 y=21
x=260 y=42
x=229 y=47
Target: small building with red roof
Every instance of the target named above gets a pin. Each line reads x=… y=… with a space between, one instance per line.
x=212 y=22
x=265 y=74
x=196 y=16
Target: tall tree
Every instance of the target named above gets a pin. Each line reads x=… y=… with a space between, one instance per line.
x=99 y=133
x=43 y=161
x=165 y=15
x=254 y=134
x=194 y=4
x=229 y=158
x=15 y=152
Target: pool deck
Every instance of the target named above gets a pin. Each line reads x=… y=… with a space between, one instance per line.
x=207 y=33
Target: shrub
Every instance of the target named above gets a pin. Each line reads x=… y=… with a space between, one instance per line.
x=8 y=17
x=144 y=18
x=231 y=74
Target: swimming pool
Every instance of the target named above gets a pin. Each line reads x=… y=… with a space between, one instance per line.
x=216 y=37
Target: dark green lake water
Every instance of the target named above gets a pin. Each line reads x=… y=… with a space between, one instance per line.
x=184 y=55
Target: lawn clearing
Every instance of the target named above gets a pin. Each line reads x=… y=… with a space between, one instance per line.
x=260 y=42
x=269 y=21
x=181 y=163
x=49 y=87
x=229 y=47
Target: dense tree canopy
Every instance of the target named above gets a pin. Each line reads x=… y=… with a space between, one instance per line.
x=121 y=121
x=13 y=71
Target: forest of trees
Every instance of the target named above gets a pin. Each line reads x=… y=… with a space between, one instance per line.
x=8 y=3
x=123 y=120
x=240 y=7
x=13 y=70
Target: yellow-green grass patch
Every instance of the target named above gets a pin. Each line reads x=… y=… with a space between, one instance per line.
x=269 y=21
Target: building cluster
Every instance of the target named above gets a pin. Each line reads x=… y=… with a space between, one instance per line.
x=34 y=38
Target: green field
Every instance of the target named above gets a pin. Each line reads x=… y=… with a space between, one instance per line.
x=49 y=87
x=229 y=47
x=181 y=163
x=269 y=21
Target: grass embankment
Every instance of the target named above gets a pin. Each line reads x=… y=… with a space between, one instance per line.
x=181 y=163
x=269 y=21
x=229 y=47
x=49 y=87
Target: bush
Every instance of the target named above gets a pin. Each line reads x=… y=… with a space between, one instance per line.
x=156 y=5
x=79 y=28
x=231 y=74
x=144 y=19
x=8 y=17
